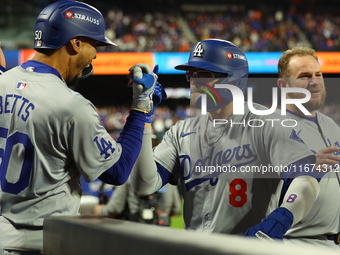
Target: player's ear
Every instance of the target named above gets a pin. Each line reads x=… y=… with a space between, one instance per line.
x=73 y=46
x=281 y=83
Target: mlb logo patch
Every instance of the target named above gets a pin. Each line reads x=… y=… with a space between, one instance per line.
x=38 y=43
x=30 y=68
x=21 y=85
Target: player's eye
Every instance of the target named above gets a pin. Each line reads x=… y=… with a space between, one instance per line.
x=304 y=77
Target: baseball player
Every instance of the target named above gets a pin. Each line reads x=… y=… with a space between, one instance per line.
x=50 y=135
x=299 y=67
x=234 y=200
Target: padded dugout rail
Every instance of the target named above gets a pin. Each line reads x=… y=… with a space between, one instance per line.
x=89 y=235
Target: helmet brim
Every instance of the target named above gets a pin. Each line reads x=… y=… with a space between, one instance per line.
x=201 y=65
x=106 y=42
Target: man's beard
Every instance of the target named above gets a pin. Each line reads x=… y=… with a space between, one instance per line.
x=311 y=105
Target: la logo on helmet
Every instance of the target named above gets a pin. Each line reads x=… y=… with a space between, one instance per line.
x=198 y=51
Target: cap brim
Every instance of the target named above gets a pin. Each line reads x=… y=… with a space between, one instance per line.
x=201 y=65
x=183 y=67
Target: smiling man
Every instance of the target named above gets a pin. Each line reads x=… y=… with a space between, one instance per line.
x=299 y=67
x=50 y=135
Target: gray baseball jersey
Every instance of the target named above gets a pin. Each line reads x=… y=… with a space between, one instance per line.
x=49 y=135
x=324 y=216
x=239 y=198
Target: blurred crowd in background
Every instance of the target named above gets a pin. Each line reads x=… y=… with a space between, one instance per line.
x=175 y=26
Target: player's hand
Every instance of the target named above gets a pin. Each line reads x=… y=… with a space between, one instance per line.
x=325 y=158
x=143 y=82
x=274 y=226
x=158 y=95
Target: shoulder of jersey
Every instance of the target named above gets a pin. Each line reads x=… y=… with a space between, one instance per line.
x=324 y=118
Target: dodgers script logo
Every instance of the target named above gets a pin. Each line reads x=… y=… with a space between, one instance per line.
x=237 y=157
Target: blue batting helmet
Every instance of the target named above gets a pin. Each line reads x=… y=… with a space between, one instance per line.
x=61 y=21
x=222 y=57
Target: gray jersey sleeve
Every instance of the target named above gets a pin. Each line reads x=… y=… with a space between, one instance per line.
x=145 y=179
x=167 y=153
x=92 y=148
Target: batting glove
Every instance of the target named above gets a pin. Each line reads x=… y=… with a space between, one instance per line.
x=158 y=95
x=274 y=226
x=143 y=82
